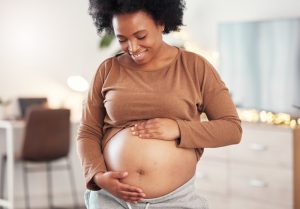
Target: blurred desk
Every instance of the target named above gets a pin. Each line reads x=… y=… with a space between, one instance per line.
x=9 y=127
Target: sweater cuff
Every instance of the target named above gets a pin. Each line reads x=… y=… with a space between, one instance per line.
x=90 y=184
x=183 y=140
x=184 y=134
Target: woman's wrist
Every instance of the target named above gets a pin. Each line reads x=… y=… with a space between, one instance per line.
x=97 y=178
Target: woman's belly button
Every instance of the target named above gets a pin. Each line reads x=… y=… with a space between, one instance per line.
x=140 y=172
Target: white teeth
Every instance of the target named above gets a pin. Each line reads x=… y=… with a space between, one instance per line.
x=138 y=55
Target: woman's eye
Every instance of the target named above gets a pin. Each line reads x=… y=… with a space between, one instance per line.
x=122 y=40
x=141 y=37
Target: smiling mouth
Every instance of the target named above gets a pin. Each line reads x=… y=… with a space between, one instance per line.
x=138 y=56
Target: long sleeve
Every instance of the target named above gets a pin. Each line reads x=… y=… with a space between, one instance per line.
x=90 y=132
x=223 y=126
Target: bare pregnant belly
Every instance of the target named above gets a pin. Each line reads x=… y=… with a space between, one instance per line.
x=156 y=166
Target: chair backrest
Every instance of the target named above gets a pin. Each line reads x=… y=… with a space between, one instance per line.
x=26 y=102
x=47 y=134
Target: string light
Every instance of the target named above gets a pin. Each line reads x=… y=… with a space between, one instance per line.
x=252 y=115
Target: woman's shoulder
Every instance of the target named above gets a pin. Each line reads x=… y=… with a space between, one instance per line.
x=110 y=61
x=192 y=56
x=194 y=62
x=199 y=66
x=109 y=64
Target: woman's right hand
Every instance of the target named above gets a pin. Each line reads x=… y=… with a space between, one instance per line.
x=110 y=181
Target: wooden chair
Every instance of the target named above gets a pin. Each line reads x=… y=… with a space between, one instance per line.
x=46 y=139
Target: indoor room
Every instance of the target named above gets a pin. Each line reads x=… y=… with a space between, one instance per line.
x=49 y=55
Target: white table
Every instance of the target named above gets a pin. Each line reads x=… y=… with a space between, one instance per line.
x=9 y=127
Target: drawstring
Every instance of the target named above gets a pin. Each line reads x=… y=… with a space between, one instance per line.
x=147 y=206
x=129 y=206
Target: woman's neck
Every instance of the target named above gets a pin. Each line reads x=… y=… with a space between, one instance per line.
x=163 y=57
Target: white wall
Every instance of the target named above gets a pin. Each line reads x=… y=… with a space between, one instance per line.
x=202 y=17
x=42 y=43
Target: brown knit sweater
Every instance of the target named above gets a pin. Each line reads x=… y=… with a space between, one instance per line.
x=119 y=96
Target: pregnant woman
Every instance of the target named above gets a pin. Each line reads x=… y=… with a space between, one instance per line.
x=141 y=136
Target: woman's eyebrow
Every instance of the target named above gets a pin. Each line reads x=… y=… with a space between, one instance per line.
x=135 y=33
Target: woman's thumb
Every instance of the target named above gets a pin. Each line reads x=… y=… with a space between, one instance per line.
x=119 y=174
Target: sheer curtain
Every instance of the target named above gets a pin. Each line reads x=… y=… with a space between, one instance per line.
x=260 y=63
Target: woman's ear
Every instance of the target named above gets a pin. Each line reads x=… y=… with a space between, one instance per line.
x=162 y=27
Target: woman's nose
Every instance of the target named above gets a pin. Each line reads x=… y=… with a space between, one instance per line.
x=132 y=46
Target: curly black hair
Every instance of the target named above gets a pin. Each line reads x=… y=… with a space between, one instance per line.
x=167 y=12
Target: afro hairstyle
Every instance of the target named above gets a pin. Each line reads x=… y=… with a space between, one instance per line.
x=166 y=12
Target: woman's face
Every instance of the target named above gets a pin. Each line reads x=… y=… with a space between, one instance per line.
x=139 y=35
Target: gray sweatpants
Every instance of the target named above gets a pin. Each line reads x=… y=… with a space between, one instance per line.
x=184 y=197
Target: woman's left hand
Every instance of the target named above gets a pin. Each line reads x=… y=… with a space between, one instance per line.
x=157 y=128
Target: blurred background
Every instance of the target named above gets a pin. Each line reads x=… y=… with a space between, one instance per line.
x=44 y=44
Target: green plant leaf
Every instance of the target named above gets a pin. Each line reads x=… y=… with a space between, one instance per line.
x=106 y=40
